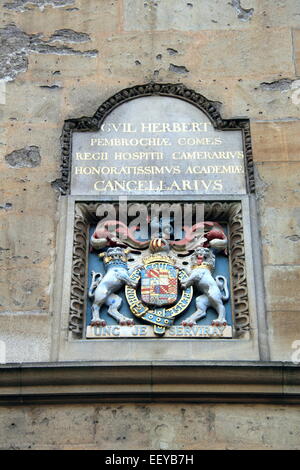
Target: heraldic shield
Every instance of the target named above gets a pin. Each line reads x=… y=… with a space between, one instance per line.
x=159 y=284
x=160 y=300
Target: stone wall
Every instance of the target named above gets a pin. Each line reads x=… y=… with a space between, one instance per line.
x=127 y=427
x=60 y=59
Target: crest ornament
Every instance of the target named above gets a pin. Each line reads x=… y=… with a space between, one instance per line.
x=159 y=277
x=159 y=283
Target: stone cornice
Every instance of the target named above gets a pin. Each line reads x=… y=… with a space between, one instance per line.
x=107 y=382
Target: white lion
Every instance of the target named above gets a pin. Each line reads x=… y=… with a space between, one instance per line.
x=203 y=264
x=103 y=287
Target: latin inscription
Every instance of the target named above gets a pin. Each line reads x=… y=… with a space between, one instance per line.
x=130 y=154
x=145 y=331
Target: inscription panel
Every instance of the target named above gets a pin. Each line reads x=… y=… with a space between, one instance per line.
x=144 y=331
x=157 y=145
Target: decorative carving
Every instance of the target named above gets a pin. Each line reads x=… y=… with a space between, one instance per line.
x=78 y=280
x=104 y=287
x=203 y=264
x=158 y=275
x=238 y=268
x=93 y=123
x=219 y=212
x=232 y=213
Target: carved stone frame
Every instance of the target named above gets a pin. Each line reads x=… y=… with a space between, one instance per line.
x=88 y=124
x=229 y=212
x=76 y=213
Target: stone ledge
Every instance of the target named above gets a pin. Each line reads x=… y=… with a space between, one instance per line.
x=202 y=382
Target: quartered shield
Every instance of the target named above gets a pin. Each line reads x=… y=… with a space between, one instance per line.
x=161 y=298
x=159 y=284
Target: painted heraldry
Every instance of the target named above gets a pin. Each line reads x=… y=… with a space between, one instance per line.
x=160 y=278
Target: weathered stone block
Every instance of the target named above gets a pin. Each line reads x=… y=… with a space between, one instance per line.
x=27 y=194
x=243 y=97
x=276 y=141
x=24 y=247
x=284 y=330
x=35 y=104
x=278 y=185
x=282 y=288
x=26 y=289
x=93 y=92
x=196 y=16
x=45 y=138
x=184 y=16
x=280 y=231
x=151 y=426
x=26 y=336
x=207 y=51
x=41 y=15
x=128 y=54
x=275 y=12
x=259 y=103
x=264 y=427
x=202 y=52
x=44 y=427
x=53 y=69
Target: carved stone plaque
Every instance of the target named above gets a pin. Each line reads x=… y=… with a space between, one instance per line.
x=157 y=145
x=150 y=269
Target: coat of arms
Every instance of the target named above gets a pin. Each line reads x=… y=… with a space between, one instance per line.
x=159 y=277
x=159 y=283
